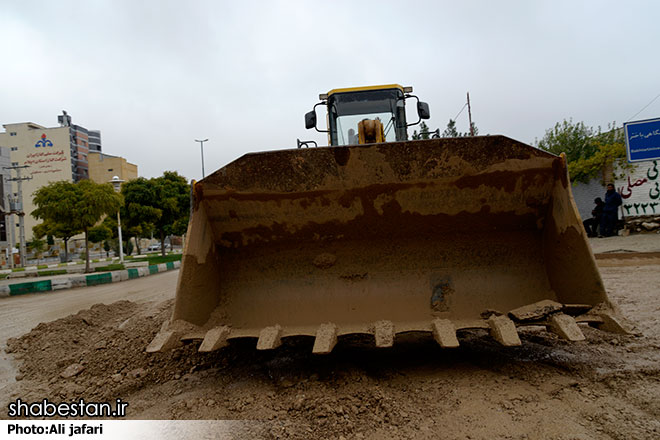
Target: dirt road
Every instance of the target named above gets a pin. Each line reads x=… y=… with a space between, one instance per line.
x=19 y=314
x=607 y=387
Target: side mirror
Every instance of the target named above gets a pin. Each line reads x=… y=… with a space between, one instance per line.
x=310 y=119
x=423 y=110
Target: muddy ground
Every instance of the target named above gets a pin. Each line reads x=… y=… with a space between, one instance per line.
x=607 y=387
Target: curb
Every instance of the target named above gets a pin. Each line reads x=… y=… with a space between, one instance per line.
x=34 y=268
x=69 y=268
x=93 y=279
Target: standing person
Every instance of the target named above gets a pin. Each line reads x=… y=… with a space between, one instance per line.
x=591 y=224
x=352 y=137
x=610 y=211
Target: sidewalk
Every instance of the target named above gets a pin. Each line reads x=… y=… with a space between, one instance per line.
x=79 y=265
x=59 y=266
x=33 y=274
x=68 y=281
x=649 y=242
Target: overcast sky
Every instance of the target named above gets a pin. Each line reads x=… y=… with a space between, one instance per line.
x=155 y=75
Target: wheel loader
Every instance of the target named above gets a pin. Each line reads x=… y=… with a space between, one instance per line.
x=379 y=235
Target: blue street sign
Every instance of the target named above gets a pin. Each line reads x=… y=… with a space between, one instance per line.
x=643 y=140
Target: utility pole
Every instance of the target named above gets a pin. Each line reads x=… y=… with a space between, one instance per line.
x=19 y=208
x=470 y=114
x=10 y=226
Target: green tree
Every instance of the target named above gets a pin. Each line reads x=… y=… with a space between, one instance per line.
x=608 y=147
x=574 y=139
x=81 y=204
x=140 y=211
x=38 y=246
x=99 y=233
x=133 y=232
x=97 y=200
x=424 y=130
x=588 y=151
x=583 y=170
x=160 y=205
x=450 y=131
x=110 y=222
x=173 y=199
x=58 y=200
x=63 y=230
x=474 y=129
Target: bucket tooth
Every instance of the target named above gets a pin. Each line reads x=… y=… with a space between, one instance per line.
x=164 y=340
x=566 y=327
x=445 y=333
x=269 y=338
x=611 y=324
x=215 y=339
x=326 y=339
x=384 y=333
x=503 y=330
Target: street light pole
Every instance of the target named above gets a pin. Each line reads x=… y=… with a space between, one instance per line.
x=201 y=144
x=116 y=183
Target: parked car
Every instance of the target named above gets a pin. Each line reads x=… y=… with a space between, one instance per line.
x=156 y=247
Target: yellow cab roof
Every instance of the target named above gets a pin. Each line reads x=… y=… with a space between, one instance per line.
x=360 y=89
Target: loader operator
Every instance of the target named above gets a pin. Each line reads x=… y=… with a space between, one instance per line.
x=610 y=211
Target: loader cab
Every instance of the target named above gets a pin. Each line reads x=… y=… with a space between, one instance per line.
x=361 y=115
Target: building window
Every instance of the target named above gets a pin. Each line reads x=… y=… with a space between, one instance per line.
x=14 y=148
x=109 y=169
x=14 y=164
x=13 y=133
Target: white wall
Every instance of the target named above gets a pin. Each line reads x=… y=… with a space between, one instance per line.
x=584 y=195
x=640 y=189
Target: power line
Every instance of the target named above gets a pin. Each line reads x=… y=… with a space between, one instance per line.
x=459 y=113
x=644 y=108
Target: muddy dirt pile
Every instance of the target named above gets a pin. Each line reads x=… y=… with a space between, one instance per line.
x=606 y=387
x=94 y=353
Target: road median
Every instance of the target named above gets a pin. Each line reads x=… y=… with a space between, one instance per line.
x=84 y=280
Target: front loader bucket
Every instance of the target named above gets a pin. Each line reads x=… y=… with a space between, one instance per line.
x=434 y=235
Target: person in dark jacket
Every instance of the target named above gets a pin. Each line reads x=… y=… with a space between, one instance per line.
x=591 y=224
x=610 y=211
